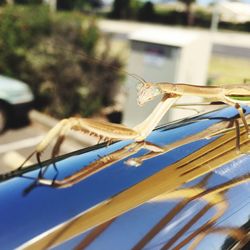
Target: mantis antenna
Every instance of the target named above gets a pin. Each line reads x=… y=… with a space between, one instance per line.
x=99 y=60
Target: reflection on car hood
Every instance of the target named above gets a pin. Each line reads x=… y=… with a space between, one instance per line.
x=195 y=192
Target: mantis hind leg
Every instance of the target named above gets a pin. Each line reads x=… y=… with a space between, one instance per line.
x=243 y=118
x=237 y=128
x=59 y=130
x=55 y=152
x=241 y=113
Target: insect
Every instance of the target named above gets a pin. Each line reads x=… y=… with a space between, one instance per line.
x=233 y=95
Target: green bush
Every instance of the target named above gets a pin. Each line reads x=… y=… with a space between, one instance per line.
x=235 y=26
x=125 y=9
x=20 y=28
x=121 y=9
x=202 y=18
x=171 y=17
x=28 y=1
x=52 y=53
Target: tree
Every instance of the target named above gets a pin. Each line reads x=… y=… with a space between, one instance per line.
x=121 y=9
x=95 y=3
x=78 y=4
x=65 y=5
x=146 y=12
x=11 y=2
x=189 y=15
x=125 y=9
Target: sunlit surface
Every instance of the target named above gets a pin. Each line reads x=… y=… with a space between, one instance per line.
x=194 y=194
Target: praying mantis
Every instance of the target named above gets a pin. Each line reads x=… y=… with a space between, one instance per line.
x=232 y=95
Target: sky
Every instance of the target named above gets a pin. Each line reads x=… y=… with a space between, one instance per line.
x=206 y=2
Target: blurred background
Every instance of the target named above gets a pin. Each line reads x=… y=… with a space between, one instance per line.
x=62 y=58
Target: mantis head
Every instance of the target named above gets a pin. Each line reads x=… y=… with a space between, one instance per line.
x=146 y=91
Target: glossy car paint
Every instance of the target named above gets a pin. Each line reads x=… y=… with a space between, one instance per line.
x=23 y=217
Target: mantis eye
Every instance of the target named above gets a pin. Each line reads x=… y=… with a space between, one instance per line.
x=156 y=91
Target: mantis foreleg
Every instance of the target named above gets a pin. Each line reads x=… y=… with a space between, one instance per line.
x=214 y=130
x=146 y=127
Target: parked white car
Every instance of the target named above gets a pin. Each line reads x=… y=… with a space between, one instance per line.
x=16 y=99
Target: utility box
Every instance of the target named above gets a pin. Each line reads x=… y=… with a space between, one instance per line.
x=158 y=55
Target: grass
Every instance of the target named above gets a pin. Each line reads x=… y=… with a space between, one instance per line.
x=228 y=70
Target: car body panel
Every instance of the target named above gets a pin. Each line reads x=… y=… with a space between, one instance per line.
x=120 y=206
